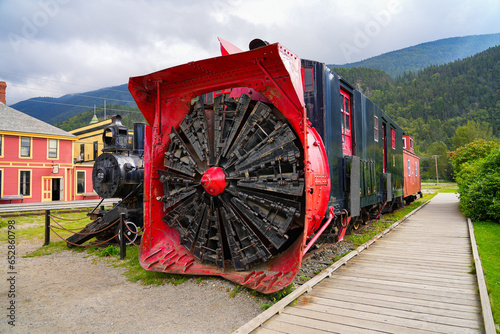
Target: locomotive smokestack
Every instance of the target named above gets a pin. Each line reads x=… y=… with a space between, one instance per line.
x=139 y=138
x=3 y=87
x=257 y=43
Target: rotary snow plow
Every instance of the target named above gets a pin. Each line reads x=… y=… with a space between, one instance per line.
x=236 y=180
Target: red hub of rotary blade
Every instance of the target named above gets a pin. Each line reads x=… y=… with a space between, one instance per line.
x=214 y=181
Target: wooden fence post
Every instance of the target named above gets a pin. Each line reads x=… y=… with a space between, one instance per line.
x=47 y=227
x=123 y=249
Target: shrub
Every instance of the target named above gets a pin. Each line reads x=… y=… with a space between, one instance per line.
x=479 y=187
x=471 y=152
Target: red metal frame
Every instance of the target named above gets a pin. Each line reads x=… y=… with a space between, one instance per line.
x=164 y=98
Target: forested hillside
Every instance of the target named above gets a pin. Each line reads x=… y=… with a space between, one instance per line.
x=55 y=110
x=420 y=56
x=442 y=107
x=130 y=115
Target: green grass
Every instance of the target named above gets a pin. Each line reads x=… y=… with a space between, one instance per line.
x=33 y=226
x=441 y=187
x=488 y=243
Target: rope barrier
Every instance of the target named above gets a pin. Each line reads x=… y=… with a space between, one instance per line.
x=60 y=227
x=68 y=219
x=133 y=243
x=92 y=245
x=79 y=233
x=131 y=230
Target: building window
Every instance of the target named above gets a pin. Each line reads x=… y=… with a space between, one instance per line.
x=375 y=128
x=80 y=182
x=96 y=150
x=1 y=182
x=308 y=79
x=25 y=183
x=409 y=168
x=52 y=148
x=1 y=146
x=82 y=152
x=25 y=147
x=416 y=168
x=393 y=138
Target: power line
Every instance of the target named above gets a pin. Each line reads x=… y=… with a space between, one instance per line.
x=74 y=105
x=89 y=96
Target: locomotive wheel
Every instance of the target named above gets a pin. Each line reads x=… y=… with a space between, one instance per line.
x=131 y=232
x=233 y=182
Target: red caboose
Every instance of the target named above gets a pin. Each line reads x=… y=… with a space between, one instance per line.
x=412 y=170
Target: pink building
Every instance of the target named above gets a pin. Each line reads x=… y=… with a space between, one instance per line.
x=36 y=160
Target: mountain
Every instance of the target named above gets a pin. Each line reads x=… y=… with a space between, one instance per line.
x=420 y=56
x=55 y=110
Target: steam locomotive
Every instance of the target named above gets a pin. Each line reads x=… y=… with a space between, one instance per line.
x=117 y=173
x=249 y=157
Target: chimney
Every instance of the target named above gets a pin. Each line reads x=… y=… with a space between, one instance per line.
x=3 y=86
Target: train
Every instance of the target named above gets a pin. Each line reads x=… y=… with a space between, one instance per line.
x=249 y=157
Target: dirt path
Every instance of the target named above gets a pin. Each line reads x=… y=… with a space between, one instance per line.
x=69 y=293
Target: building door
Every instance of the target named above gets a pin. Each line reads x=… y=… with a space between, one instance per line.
x=46 y=189
x=345 y=108
x=56 y=189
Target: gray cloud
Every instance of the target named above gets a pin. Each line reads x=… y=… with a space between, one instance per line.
x=99 y=44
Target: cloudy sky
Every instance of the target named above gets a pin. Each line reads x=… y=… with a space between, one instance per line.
x=55 y=47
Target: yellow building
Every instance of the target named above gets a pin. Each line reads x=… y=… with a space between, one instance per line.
x=89 y=144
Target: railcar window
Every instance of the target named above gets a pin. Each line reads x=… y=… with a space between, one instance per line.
x=342 y=105
x=347 y=113
x=308 y=79
x=393 y=138
x=375 y=128
x=416 y=168
x=409 y=168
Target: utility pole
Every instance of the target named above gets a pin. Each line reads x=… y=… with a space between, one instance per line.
x=436 y=158
x=104 y=109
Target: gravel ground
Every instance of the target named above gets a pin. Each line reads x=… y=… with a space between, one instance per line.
x=67 y=292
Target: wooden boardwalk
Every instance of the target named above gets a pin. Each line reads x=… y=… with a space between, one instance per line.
x=416 y=279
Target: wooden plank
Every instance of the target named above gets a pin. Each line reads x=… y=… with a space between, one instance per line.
x=423 y=266
x=362 y=270
x=406 y=284
x=415 y=294
x=337 y=324
x=263 y=330
x=277 y=326
x=408 y=278
x=435 y=308
x=489 y=323
x=359 y=307
x=411 y=299
x=390 y=288
x=372 y=321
